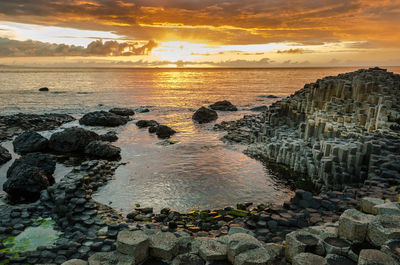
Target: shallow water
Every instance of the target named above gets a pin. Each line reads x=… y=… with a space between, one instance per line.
x=199 y=171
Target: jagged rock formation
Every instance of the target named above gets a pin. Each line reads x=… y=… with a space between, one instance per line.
x=338 y=130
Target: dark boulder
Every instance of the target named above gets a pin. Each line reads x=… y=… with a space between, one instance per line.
x=163 y=131
x=102 y=118
x=29 y=142
x=43 y=89
x=146 y=123
x=109 y=137
x=268 y=96
x=71 y=140
x=29 y=175
x=45 y=162
x=153 y=129
x=4 y=155
x=26 y=184
x=122 y=111
x=103 y=150
x=204 y=115
x=142 y=110
x=223 y=106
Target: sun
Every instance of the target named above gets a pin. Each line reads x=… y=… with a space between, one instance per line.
x=178 y=51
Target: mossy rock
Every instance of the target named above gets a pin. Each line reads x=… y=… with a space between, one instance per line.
x=238 y=213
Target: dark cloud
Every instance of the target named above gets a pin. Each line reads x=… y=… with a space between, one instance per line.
x=10 y=48
x=220 y=21
x=292 y=51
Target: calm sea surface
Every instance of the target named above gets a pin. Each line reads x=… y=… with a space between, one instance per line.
x=199 y=171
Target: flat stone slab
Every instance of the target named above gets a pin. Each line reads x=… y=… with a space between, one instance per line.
x=368 y=205
x=308 y=259
x=164 y=245
x=353 y=225
x=299 y=242
x=135 y=243
x=389 y=208
x=114 y=258
x=384 y=228
x=375 y=257
x=211 y=250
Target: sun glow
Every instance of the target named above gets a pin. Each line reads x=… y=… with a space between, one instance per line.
x=176 y=51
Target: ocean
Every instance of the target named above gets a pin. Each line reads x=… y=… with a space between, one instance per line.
x=197 y=172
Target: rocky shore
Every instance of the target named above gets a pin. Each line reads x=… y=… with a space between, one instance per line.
x=342 y=133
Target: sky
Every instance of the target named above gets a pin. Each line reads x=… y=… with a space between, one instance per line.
x=200 y=33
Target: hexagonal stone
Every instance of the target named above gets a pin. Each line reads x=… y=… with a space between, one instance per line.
x=308 y=259
x=256 y=256
x=384 y=228
x=135 y=243
x=300 y=241
x=334 y=259
x=114 y=258
x=75 y=262
x=368 y=204
x=336 y=245
x=392 y=248
x=211 y=250
x=164 y=245
x=353 y=225
x=238 y=243
x=240 y=230
x=375 y=257
x=389 y=208
x=324 y=231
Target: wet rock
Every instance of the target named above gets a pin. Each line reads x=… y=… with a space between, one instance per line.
x=134 y=243
x=4 y=155
x=223 y=106
x=115 y=257
x=44 y=162
x=75 y=262
x=29 y=142
x=163 y=131
x=43 y=89
x=72 y=140
x=103 y=150
x=383 y=228
x=186 y=259
x=259 y=108
x=308 y=259
x=268 y=96
x=164 y=245
x=166 y=142
x=146 y=123
x=205 y=115
x=211 y=250
x=109 y=137
x=353 y=225
x=102 y=118
x=375 y=257
x=368 y=204
x=122 y=111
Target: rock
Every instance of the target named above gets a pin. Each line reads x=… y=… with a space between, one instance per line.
x=43 y=89
x=135 y=243
x=109 y=137
x=75 y=262
x=4 y=155
x=29 y=142
x=389 y=208
x=188 y=259
x=353 y=225
x=368 y=204
x=308 y=259
x=392 y=248
x=122 y=111
x=259 y=108
x=334 y=259
x=375 y=257
x=300 y=241
x=115 y=258
x=336 y=245
x=383 y=228
x=205 y=115
x=254 y=257
x=211 y=250
x=26 y=184
x=102 y=118
x=223 y=106
x=240 y=230
x=44 y=162
x=103 y=150
x=239 y=243
x=166 y=142
x=71 y=140
x=164 y=245
x=147 y=123
x=268 y=96
x=163 y=131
